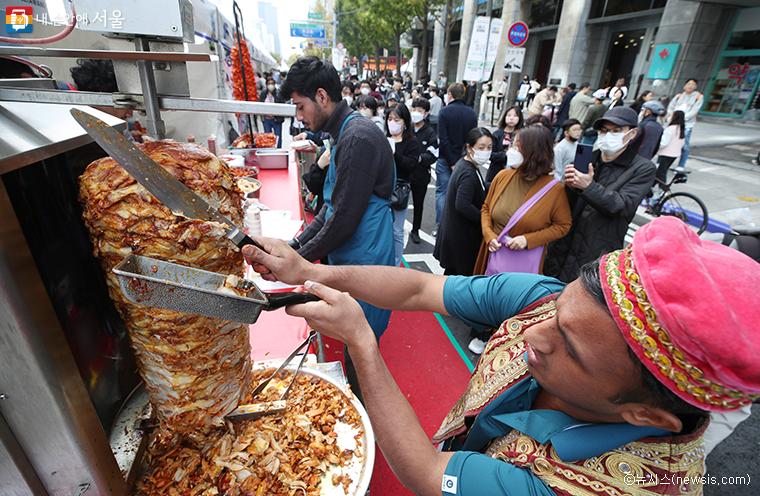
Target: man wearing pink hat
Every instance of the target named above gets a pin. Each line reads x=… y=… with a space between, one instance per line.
x=601 y=386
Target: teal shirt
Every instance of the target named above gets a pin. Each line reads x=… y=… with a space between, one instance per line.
x=484 y=303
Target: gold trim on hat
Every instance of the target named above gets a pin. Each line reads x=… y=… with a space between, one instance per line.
x=655 y=340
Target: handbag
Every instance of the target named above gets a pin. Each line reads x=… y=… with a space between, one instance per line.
x=400 y=196
x=506 y=259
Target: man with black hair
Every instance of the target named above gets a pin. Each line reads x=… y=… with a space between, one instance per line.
x=603 y=200
x=347 y=93
x=544 y=97
x=564 y=151
x=455 y=120
x=690 y=103
x=355 y=226
x=581 y=102
x=563 y=111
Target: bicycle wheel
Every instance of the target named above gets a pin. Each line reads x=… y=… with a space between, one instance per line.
x=684 y=206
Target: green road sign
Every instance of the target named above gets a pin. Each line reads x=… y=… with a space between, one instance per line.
x=303 y=25
x=315 y=15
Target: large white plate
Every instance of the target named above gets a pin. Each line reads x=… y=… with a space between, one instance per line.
x=360 y=468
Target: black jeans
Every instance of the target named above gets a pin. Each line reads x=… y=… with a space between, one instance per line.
x=418 y=200
x=662 y=170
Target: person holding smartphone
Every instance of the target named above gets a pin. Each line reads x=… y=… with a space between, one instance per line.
x=604 y=199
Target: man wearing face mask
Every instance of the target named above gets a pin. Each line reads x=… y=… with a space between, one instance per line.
x=420 y=177
x=604 y=201
x=347 y=93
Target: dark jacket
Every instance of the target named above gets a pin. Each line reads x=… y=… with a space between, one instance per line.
x=469 y=95
x=601 y=213
x=407 y=157
x=427 y=137
x=459 y=232
x=498 y=155
x=455 y=120
x=651 y=132
x=563 y=112
x=364 y=165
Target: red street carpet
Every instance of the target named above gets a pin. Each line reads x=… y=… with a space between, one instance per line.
x=428 y=369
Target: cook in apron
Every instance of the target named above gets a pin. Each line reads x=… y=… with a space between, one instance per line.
x=371 y=243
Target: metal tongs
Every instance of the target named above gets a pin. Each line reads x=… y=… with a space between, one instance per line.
x=256 y=410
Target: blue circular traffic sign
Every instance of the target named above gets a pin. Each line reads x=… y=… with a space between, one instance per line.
x=518 y=33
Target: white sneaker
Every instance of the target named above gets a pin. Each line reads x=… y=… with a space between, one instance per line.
x=679 y=169
x=477 y=346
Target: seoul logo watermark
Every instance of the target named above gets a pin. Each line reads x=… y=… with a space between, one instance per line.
x=19 y=20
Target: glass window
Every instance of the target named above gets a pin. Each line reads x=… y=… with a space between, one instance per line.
x=733 y=85
x=543 y=13
x=597 y=9
x=617 y=7
x=745 y=40
x=605 y=8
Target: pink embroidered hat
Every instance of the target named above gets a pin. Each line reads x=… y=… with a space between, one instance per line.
x=690 y=310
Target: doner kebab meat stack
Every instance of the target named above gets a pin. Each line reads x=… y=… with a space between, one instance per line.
x=196 y=369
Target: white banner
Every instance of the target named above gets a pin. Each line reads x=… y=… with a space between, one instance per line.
x=513 y=60
x=494 y=38
x=337 y=58
x=476 y=54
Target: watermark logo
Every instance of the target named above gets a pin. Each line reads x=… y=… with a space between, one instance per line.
x=18 y=20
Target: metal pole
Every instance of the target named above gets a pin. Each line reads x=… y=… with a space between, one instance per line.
x=156 y=126
x=239 y=31
x=336 y=24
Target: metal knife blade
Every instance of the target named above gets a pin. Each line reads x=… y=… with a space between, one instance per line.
x=160 y=183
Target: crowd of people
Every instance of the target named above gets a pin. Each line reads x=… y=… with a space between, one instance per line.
x=532 y=210
x=607 y=375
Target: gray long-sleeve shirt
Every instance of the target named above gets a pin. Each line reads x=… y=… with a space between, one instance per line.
x=690 y=105
x=364 y=166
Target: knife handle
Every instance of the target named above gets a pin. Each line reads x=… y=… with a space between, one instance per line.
x=247 y=240
x=279 y=300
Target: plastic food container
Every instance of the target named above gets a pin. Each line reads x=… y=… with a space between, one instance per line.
x=272 y=158
x=248 y=154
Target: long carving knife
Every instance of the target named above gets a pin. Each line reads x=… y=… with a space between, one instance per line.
x=160 y=183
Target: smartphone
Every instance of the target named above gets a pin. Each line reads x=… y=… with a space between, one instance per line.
x=582 y=157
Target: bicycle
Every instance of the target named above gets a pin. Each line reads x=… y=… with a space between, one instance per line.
x=685 y=206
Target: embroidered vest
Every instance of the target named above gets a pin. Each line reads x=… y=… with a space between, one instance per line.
x=649 y=466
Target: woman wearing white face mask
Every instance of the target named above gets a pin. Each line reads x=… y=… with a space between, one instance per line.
x=406 y=154
x=528 y=175
x=459 y=233
x=367 y=106
x=272 y=124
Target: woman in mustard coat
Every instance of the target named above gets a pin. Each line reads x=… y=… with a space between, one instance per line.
x=530 y=166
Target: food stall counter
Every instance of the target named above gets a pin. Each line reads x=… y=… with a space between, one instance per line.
x=276 y=333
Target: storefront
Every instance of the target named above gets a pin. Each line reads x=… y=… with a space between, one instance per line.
x=733 y=90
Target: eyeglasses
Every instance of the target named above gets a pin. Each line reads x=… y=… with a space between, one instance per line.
x=602 y=131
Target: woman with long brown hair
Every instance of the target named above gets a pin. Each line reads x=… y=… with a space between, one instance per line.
x=525 y=209
x=548 y=219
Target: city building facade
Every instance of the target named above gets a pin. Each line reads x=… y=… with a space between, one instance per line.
x=654 y=45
